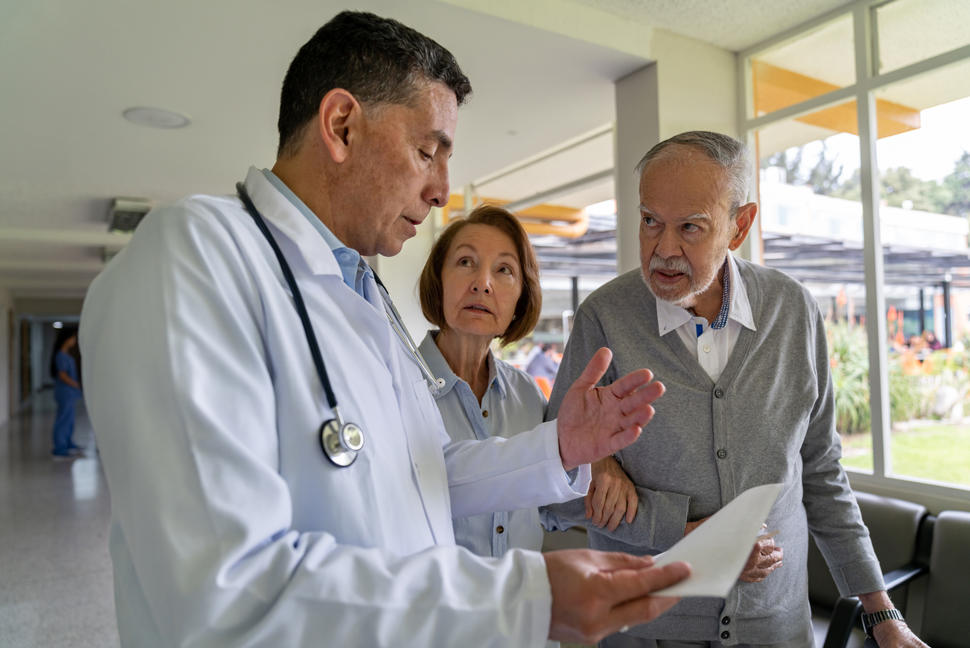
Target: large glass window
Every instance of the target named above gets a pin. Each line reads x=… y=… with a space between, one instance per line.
x=811 y=226
x=912 y=30
x=802 y=68
x=814 y=224
x=924 y=176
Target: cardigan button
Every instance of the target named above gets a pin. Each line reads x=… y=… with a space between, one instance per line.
x=718 y=393
x=500 y=529
x=726 y=620
x=485 y=413
x=721 y=454
x=725 y=635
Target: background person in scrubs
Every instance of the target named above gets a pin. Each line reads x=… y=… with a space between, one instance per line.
x=67 y=392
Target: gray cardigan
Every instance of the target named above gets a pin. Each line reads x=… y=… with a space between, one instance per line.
x=770 y=417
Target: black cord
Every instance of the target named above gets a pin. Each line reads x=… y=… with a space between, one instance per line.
x=311 y=337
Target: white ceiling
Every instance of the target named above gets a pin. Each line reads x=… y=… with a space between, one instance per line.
x=730 y=24
x=68 y=69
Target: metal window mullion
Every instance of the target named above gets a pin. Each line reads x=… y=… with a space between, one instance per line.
x=753 y=248
x=803 y=108
x=872 y=245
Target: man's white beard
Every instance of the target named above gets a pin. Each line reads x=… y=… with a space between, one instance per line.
x=676 y=264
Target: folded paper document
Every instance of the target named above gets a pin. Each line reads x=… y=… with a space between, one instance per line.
x=718 y=549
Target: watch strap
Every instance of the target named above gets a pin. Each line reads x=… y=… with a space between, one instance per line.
x=871 y=619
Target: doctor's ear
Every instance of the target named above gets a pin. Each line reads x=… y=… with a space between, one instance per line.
x=339 y=118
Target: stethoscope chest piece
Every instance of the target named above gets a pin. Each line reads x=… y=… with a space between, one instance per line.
x=341 y=442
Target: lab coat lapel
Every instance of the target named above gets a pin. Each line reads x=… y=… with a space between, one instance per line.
x=287 y=219
x=414 y=399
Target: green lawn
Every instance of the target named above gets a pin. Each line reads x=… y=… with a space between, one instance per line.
x=936 y=451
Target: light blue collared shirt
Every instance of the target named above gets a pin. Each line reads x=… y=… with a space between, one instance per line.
x=512 y=403
x=352 y=265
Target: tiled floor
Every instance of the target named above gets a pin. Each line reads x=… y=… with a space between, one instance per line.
x=55 y=573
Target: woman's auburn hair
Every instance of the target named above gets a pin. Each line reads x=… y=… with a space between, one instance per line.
x=528 y=307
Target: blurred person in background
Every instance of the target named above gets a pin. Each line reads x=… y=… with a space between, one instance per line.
x=67 y=392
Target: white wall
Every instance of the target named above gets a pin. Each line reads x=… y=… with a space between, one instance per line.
x=6 y=354
x=637 y=130
x=692 y=86
x=696 y=84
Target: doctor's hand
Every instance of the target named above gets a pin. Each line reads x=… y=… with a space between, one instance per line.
x=595 y=594
x=594 y=422
x=611 y=495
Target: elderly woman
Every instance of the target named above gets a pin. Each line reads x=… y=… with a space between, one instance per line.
x=481 y=282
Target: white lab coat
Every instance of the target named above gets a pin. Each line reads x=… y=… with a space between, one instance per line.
x=229 y=525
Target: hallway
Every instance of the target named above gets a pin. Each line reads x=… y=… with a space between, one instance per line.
x=55 y=572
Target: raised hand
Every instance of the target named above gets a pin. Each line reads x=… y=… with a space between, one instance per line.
x=594 y=422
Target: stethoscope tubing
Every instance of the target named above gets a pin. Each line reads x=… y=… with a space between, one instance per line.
x=297 y=298
x=340 y=442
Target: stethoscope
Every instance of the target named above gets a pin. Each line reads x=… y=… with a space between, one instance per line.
x=340 y=441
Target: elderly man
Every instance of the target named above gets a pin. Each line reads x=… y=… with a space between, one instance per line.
x=742 y=352
x=247 y=508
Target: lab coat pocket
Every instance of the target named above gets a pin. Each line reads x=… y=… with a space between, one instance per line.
x=425 y=440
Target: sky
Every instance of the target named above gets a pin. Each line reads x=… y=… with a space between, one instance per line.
x=929 y=152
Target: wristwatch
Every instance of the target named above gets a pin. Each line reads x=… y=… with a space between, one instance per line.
x=871 y=619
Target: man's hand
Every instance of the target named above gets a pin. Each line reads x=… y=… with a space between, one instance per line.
x=594 y=422
x=690 y=526
x=611 y=494
x=896 y=634
x=595 y=594
x=892 y=633
x=764 y=559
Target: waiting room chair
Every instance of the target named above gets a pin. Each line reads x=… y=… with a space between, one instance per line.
x=894 y=526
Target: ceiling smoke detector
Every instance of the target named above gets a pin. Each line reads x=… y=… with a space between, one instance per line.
x=156 y=117
x=126 y=213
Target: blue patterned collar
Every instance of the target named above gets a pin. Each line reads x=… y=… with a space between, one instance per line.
x=722 y=315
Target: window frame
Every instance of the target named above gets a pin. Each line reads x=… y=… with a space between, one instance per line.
x=868 y=80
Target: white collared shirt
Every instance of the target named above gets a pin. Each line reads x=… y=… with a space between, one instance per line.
x=712 y=347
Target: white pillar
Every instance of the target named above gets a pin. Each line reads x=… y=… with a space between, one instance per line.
x=637 y=129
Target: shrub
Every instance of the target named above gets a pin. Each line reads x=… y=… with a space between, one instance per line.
x=910 y=394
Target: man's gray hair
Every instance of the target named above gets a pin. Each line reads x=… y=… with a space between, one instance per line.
x=730 y=154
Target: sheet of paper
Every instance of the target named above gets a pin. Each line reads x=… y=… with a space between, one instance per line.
x=718 y=549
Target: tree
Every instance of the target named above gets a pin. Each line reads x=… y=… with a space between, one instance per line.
x=824 y=177
x=899 y=186
x=957 y=185
x=792 y=165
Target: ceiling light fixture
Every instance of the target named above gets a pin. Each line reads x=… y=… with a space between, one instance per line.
x=156 y=117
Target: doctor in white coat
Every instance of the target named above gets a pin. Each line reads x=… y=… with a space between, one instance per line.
x=230 y=526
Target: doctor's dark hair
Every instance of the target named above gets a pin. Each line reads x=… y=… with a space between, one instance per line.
x=528 y=307
x=378 y=60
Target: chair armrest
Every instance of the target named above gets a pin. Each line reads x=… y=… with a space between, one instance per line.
x=902 y=576
x=845 y=616
x=847 y=613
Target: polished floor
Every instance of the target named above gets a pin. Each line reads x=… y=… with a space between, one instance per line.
x=55 y=573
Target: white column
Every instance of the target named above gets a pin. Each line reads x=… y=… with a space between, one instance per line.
x=637 y=129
